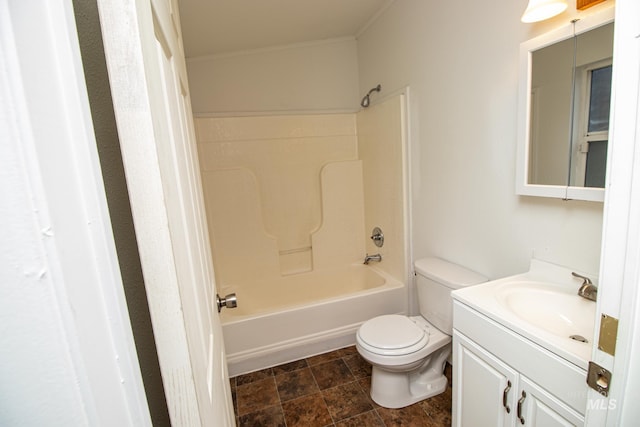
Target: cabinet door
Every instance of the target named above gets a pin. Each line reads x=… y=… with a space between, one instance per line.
x=538 y=408
x=484 y=388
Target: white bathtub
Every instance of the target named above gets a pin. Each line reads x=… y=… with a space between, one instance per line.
x=304 y=314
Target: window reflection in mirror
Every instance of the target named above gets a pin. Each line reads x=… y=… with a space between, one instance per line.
x=593 y=100
x=569 y=111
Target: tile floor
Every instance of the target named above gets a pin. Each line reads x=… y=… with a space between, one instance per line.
x=330 y=389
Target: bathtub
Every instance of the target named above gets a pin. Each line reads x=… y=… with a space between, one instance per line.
x=305 y=314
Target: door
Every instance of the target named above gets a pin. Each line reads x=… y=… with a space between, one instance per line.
x=538 y=408
x=147 y=73
x=484 y=391
x=619 y=294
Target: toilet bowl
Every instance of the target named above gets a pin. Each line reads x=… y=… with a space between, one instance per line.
x=408 y=354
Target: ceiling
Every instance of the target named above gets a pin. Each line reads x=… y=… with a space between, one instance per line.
x=212 y=27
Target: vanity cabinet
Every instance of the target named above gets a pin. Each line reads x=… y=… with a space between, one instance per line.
x=484 y=386
x=542 y=409
x=491 y=393
x=501 y=379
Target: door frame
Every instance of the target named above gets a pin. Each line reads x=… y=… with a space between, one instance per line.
x=47 y=128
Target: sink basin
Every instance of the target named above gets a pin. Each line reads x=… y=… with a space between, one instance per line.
x=541 y=305
x=549 y=307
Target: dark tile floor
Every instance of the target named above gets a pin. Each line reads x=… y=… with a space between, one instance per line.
x=330 y=389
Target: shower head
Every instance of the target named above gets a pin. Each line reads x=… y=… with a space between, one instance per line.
x=365 y=101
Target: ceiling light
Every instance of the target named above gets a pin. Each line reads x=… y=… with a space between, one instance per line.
x=539 y=10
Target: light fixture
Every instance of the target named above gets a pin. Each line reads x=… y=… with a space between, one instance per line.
x=539 y=10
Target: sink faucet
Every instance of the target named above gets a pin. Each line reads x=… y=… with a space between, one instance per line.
x=368 y=258
x=587 y=290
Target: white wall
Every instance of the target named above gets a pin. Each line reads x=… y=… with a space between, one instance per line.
x=306 y=77
x=461 y=61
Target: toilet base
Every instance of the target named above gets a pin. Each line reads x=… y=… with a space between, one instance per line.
x=399 y=389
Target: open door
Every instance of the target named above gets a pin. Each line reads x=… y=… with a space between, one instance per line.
x=615 y=348
x=145 y=61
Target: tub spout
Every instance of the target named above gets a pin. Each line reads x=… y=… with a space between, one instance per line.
x=376 y=257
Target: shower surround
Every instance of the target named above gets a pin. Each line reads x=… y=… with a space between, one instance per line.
x=291 y=201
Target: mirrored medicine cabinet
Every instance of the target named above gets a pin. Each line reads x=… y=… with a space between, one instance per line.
x=563 y=110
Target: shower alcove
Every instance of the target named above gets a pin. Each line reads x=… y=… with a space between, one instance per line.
x=291 y=201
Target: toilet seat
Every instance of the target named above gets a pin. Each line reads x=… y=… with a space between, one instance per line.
x=392 y=335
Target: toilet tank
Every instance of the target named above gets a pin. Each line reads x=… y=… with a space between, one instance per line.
x=435 y=279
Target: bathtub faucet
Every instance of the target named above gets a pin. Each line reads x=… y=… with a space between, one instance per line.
x=368 y=258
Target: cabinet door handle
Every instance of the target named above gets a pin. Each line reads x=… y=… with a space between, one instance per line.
x=504 y=397
x=520 y=402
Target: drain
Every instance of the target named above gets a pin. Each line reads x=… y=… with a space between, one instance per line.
x=578 y=338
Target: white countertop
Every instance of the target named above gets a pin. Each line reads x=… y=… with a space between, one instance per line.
x=554 y=288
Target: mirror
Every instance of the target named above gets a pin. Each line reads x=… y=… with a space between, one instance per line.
x=563 y=114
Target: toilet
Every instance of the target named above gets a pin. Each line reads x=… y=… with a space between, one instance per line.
x=408 y=353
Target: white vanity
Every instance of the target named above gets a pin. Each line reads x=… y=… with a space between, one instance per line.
x=519 y=350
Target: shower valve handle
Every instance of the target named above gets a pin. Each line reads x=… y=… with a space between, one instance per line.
x=377 y=237
x=229 y=301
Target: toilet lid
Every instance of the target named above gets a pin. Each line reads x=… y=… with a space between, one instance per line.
x=392 y=334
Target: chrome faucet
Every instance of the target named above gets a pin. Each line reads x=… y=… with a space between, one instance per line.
x=587 y=290
x=368 y=258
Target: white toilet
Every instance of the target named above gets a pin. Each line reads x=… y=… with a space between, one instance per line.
x=408 y=354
